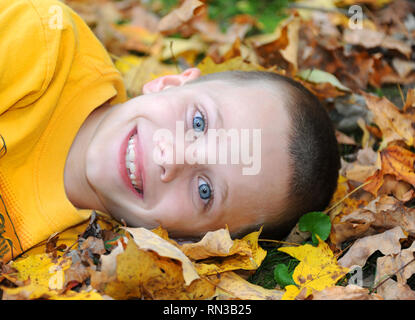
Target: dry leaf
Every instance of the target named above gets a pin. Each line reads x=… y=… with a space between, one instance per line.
x=386 y=242
x=371 y=39
x=349 y=292
x=232 y=286
x=216 y=244
x=391 y=121
x=392 y=290
x=148 y=240
x=248 y=255
x=395 y=161
x=402 y=265
x=178 y=17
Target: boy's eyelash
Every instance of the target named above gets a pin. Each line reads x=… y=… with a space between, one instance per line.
x=203 y=113
x=208 y=204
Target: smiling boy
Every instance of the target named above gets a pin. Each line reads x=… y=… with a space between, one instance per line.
x=74 y=142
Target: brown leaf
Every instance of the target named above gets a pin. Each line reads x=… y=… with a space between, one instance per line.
x=215 y=244
x=180 y=16
x=396 y=161
x=371 y=39
x=401 y=265
x=350 y=292
x=392 y=290
x=386 y=242
x=381 y=214
x=232 y=286
x=392 y=122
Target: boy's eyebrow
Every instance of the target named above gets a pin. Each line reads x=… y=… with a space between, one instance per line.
x=223 y=194
x=222 y=188
x=216 y=106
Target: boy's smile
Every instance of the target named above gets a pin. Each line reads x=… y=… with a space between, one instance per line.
x=131 y=163
x=127 y=169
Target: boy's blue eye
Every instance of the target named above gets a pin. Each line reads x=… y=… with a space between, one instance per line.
x=198 y=122
x=204 y=190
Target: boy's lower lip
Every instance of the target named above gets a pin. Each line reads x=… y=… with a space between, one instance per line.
x=121 y=163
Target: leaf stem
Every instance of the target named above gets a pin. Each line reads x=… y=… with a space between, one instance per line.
x=279 y=242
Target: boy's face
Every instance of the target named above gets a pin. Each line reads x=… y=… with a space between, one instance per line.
x=164 y=187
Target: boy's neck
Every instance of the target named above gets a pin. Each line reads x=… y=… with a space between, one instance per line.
x=78 y=191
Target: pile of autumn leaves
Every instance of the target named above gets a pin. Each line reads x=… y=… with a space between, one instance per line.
x=115 y=262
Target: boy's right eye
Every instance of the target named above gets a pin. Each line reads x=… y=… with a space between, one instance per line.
x=198 y=122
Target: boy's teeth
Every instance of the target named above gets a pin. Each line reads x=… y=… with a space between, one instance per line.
x=130 y=164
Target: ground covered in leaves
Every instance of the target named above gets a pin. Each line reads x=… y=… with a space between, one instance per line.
x=362 y=70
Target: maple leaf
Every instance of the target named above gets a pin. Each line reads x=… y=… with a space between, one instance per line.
x=392 y=122
x=318 y=269
x=396 y=161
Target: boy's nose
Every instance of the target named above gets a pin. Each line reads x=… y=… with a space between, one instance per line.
x=170 y=171
x=164 y=154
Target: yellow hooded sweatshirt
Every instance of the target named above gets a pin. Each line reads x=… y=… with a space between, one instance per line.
x=53 y=73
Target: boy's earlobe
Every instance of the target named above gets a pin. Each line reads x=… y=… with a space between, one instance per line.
x=165 y=82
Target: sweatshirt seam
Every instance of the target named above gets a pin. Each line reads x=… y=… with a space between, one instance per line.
x=47 y=76
x=45 y=143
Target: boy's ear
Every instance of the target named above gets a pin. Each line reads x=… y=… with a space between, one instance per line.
x=176 y=80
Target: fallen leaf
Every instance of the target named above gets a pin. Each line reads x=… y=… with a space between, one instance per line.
x=349 y=292
x=396 y=161
x=40 y=269
x=391 y=121
x=320 y=76
x=148 y=240
x=371 y=39
x=386 y=242
x=318 y=269
x=392 y=290
x=402 y=265
x=243 y=258
x=170 y=23
x=207 y=65
x=215 y=244
x=232 y=286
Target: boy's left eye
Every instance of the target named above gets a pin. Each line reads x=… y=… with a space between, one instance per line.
x=199 y=122
x=205 y=191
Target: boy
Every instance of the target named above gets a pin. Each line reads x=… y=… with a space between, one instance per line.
x=72 y=141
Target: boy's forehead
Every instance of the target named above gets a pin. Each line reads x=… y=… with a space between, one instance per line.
x=257 y=100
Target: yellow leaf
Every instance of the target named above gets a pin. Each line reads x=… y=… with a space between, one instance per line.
x=83 y=295
x=31 y=291
x=177 y=47
x=148 y=240
x=318 y=268
x=36 y=291
x=42 y=271
x=207 y=65
x=126 y=63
